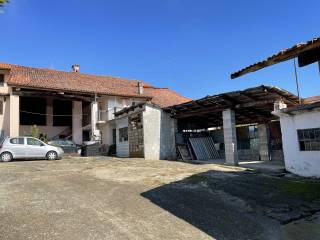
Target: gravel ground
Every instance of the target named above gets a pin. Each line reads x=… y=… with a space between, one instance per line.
x=109 y=198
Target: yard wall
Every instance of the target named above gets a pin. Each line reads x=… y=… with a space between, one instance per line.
x=303 y=163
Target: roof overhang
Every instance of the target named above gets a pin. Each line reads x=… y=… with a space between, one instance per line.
x=301 y=108
x=46 y=91
x=307 y=53
x=133 y=108
x=253 y=105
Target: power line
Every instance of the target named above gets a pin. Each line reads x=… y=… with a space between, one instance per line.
x=54 y=115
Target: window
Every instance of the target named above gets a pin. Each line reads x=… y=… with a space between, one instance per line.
x=1 y=79
x=33 y=142
x=17 y=141
x=309 y=139
x=123 y=134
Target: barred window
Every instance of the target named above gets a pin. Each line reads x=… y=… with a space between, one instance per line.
x=123 y=134
x=309 y=139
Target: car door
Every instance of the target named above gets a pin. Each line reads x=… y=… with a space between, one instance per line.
x=63 y=144
x=35 y=148
x=69 y=147
x=17 y=147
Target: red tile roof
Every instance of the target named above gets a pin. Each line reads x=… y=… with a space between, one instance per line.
x=165 y=97
x=310 y=100
x=42 y=78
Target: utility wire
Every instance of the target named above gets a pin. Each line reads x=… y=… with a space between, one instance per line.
x=54 y=115
x=296 y=78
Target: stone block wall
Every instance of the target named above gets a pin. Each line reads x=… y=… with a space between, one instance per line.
x=135 y=134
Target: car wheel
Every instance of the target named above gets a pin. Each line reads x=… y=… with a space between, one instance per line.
x=52 y=155
x=6 y=157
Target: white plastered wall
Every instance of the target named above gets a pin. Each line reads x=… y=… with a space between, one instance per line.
x=159 y=134
x=122 y=147
x=108 y=103
x=303 y=163
x=106 y=133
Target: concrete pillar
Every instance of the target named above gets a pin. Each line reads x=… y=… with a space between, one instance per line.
x=77 y=122
x=230 y=137
x=14 y=115
x=49 y=111
x=264 y=136
x=95 y=133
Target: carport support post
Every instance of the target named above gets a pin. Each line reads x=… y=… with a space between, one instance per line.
x=264 y=136
x=230 y=137
x=49 y=109
x=14 y=115
x=77 y=122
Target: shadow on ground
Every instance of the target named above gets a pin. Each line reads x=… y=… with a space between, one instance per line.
x=241 y=205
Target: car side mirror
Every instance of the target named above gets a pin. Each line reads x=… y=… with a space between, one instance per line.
x=42 y=145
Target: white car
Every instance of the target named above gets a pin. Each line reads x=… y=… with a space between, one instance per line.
x=27 y=147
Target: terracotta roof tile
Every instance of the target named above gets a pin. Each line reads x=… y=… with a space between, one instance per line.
x=165 y=97
x=313 y=99
x=43 y=78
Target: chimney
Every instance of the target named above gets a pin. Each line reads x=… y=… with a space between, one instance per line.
x=75 y=68
x=140 y=88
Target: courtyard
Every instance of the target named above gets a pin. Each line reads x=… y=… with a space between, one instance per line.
x=111 y=198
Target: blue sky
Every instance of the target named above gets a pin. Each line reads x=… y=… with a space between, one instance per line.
x=190 y=46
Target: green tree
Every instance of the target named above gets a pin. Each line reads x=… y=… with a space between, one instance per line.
x=35 y=131
x=3 y=2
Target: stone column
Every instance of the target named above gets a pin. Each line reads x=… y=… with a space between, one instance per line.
x=49 y=111
x=230 y=137
x=14 y=115
x=77 y=122
x=264 y=136
x=95 y=133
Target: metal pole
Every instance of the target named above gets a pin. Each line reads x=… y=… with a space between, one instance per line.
x=297 y=82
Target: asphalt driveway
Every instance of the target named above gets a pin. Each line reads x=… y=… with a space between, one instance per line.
x=107 y=198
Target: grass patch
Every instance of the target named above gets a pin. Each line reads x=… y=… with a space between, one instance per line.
x=309 y=190
x=197 y=179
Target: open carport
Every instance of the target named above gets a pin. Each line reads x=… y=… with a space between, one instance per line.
x=241 y=123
